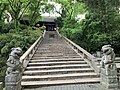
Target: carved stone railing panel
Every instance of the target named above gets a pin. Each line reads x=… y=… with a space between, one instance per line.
x=25 y=58
x=118 y=70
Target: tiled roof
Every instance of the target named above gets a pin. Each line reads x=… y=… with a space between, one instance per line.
x=47 y=19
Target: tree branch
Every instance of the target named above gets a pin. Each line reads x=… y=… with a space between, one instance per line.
x=24 y=9
x=11 y=6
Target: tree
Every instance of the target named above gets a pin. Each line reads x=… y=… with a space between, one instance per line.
x=69 y=10
x=3 y=7
x=35 y=9
x=101 y=24
x=17 y=9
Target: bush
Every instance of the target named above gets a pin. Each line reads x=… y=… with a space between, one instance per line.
x=22 y=39
x=42 y=28
x=6 y=27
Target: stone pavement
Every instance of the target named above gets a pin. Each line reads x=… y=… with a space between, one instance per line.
x=71 y=87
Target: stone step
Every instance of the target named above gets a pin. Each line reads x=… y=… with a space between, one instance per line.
x=55 y=52
x=64 y=46
x=60 y=77
x=56 y=60
x=59 y=82
x=56 y=63
x=57 y=71
x=57 y=67
x=117 y=60
x=60 y=42
x=55 y=47
x=44 y=46
x=56 y=57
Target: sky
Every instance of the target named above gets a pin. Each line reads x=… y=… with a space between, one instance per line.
x=55 y=14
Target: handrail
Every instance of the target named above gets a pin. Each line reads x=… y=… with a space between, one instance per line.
x=85 y=55
x=81 y=49
x=24 y=59
x=58 y=33
x=44 y=33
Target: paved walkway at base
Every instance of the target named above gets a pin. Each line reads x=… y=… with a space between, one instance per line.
x=71 y=87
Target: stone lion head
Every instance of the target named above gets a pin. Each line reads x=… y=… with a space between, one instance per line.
x=107 y=50
x=16 y=52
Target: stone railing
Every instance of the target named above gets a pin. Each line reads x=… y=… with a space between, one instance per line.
x=25 y=58
x=109 y=72
x=118 y=70
x=58 y=33
x=83 y=53
x=17 y=64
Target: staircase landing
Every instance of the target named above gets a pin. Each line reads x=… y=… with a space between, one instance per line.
x=71 y=87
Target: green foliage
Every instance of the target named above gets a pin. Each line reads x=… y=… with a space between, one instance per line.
x=100 y=26
x=42 y=28
x=22 y=39
x=34 y=11
x=3 y=7
x=19 y=8
x=69 y=10
x=6 y=27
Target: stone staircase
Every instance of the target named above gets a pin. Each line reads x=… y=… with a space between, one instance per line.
x=56 y=63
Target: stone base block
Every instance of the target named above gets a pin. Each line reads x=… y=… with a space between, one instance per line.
x=13 y=82
x=109 y=81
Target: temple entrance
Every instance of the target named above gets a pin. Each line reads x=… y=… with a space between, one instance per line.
x=49 y=23
x=50 y=27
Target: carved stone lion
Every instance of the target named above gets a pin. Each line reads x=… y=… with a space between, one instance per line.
x=13 y=62
x=107 y=61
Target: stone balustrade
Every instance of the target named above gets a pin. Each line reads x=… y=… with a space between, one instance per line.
x=30 y=52
x=110 y=74
x=16 y=65
x=118 y=70
x=84 y=54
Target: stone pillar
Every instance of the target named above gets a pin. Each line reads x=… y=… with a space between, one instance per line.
x=13 y=81
x=1 y=85
x=109 y=81
x=108 y=70
x=13 y=74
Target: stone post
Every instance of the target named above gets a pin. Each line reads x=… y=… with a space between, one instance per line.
x=108 y=70
x=13 y=74
x=1 y=85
